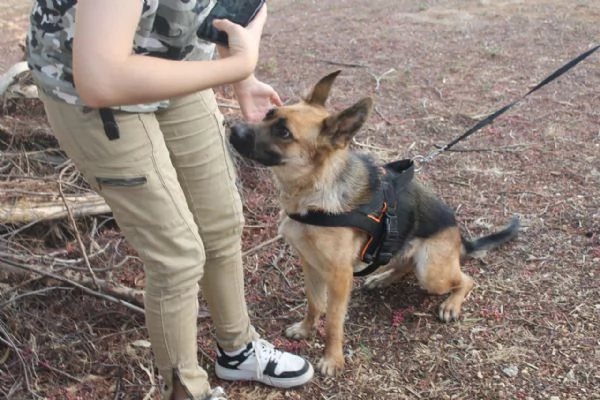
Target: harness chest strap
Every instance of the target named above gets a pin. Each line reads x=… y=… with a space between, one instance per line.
x=378 y=218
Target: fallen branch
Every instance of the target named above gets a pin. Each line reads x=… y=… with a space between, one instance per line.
x=29 y=208
x=33 y=293
x=130 y=295
x=4 y=263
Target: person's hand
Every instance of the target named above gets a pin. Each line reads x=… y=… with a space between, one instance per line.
x=255 y=98
x=244 y=43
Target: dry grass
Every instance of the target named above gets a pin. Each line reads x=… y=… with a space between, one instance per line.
x=530 y=329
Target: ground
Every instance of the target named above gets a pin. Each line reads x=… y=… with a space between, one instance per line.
x=531 y=327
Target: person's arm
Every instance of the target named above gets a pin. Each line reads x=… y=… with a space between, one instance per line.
x=106 y=73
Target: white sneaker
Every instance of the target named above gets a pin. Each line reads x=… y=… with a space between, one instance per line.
x=261 y=361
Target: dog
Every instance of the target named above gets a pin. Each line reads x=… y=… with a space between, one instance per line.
x=308 y=150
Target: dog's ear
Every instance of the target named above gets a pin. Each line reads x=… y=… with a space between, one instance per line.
x=341 y=128
x=320 y=92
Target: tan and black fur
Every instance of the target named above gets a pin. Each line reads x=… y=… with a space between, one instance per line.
x=307 y=148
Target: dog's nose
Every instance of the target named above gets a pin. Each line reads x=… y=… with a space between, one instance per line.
x=242 y=138
x=241 y=132
x=236 y=130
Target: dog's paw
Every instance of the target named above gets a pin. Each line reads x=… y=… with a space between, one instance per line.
x=298 y=331
x=331 y=366
x=449 y=310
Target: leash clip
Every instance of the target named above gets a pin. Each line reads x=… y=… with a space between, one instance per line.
x=420 y=160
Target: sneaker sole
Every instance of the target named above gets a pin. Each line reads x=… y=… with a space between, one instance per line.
x=284 y=383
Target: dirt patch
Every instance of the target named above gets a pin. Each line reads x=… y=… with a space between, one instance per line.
x=530 y=328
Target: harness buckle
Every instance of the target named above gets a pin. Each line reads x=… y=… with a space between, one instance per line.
x=391 y=238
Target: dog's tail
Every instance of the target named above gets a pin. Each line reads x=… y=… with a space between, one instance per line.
x=493 y=240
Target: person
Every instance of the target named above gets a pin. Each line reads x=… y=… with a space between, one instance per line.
x=126 y=85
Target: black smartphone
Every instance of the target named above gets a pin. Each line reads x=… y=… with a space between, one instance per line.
x=242 y=12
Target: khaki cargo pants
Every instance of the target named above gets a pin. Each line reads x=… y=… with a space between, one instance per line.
x=170 y=183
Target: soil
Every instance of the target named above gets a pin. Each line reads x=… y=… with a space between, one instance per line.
x=531 y=327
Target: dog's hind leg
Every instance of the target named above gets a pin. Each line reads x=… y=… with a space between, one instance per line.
x=397 y=269
x=438 y=270
x=461 y=285
x=316 y=295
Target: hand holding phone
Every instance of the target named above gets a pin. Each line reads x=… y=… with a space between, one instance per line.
x=240 y=12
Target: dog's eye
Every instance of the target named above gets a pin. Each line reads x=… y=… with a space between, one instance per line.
x=283 y=133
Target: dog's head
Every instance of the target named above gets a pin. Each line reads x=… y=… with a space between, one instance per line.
x=297 y=139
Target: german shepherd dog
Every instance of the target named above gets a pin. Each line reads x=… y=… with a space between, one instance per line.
x=308 y=150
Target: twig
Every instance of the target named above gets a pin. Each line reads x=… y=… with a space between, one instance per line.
x=380 y=77
x=118 y=385
x=67 y=262
x=413 y=391
x=342 y=64
x=369 y=146
x=48 y=289
x=10 y=343
x=275 y=265
x=20 y=285
x=382 y=116
x=58 y=371
x=74 y=224
x=261 y=245
x=70 y=282
x=151 y=378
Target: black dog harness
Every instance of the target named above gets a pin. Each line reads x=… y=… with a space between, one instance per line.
x=379 y=218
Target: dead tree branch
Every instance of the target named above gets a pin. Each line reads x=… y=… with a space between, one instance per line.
x=4 y=263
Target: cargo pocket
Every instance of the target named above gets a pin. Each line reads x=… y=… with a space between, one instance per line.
x=137 y=200
x=123 y=194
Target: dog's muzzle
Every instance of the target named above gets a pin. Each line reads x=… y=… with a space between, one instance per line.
x=243 y=140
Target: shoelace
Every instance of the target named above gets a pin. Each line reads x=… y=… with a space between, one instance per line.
x=268 y=351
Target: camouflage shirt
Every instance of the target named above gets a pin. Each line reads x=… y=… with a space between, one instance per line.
x=167 y=29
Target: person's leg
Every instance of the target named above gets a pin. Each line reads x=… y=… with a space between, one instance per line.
x=135 y=176
x=195 y=136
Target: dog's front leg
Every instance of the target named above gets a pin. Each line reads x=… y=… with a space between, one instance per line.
x=339 y=288
x=316 y=295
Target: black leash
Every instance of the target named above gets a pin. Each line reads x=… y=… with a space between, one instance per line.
x=490 y=118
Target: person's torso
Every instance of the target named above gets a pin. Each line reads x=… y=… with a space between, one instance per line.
x=166 y=29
